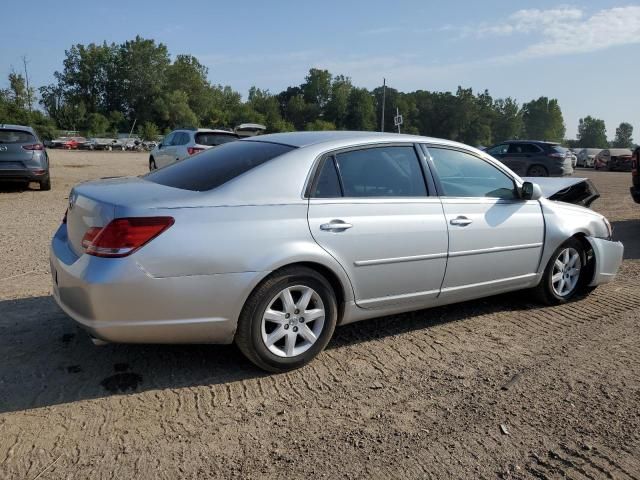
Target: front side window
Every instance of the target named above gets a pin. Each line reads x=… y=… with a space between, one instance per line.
x=381 y=172
x=464 y=175
x=166 y=141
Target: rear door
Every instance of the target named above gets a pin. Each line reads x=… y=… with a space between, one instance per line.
x=520 y=156
x=162 y=155
x=12 y=155
x=371 y=210
x=495 y=238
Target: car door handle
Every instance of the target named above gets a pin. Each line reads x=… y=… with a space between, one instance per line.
x=461 y=221
x=335 y=226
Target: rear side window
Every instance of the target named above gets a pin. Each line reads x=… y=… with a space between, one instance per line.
x=180 y=138
x=216 y=166
x=523 y=148
x=213 y=139
x=16 y=136
x=381 y=172
x=328 y=183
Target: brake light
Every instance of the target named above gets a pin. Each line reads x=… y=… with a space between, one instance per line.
x=634 y=166
x=194 y=150
x=123 y=236
x=557 y=155
x=35 y=146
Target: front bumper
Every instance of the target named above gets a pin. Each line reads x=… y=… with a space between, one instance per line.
x=116 y=300
x=608 y=257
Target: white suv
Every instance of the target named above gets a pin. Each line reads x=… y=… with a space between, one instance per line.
x=185 y=142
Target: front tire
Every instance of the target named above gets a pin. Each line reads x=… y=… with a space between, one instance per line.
x=287 y=320
x=564 y=275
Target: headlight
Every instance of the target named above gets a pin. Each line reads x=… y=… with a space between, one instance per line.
x=609 y=227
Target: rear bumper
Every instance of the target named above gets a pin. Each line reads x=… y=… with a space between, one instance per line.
x=22 y=175
x=608 y=257
x=117 y=301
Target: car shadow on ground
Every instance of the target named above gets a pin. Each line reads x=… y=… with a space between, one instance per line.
x=16 y=187
x=628 y=232
x=45 y=359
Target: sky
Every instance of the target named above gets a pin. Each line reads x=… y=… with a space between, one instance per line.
x=585 y=54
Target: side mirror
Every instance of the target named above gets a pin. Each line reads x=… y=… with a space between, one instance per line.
x=530 y=191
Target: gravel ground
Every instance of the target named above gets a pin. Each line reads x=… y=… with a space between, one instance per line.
x=492 y=388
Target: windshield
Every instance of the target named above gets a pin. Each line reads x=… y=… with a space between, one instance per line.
x=212 y=139
x=216 y=166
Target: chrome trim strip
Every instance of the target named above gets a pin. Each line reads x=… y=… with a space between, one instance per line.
x=508 y=248
x=393 y=298
x=384 y=261
x=490 y=282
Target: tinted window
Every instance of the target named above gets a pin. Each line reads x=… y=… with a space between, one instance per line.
x=16 y=136
x=213 y=139
x=381 y=172
x=464 y=175
x=215 y=166
x=328 y=184
x=523 y=148
x=498 y=149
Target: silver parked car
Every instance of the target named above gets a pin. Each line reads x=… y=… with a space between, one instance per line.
x=272 y=241
x=23 y=157
x=183 y=143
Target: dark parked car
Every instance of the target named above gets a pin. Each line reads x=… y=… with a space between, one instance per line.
x=533 y=158
x=635 y=175
x=614 y=159
x=23 y=157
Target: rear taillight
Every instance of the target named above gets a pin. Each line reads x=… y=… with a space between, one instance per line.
x=123 y=236
x=194 y=150
x=634 y=166
x=35 y=146
x=559 y=156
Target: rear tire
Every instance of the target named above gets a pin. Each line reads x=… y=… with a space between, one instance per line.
x=272 y=329
x=45 y=185
x=560 y=282
x=537 y=171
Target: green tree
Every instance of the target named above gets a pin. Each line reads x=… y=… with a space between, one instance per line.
x=316 y=88
x=97 y=124
x=624 y=136
x=507 y=122
x=336 y=108
x=361 y=114
x=543 y=120
x=318 y=125
x=592 y=133
x=149 y=131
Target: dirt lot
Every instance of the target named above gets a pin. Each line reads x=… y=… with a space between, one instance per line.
x=492 y=388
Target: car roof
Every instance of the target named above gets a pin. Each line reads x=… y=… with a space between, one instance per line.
x=531 y=141
x=204 y=130
x=7 y=126
x=306 y=139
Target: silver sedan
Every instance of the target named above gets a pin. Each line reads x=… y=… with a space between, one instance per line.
x=275 y=240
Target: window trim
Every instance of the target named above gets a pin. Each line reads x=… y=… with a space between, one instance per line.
x=319 y=164
x=438 y=184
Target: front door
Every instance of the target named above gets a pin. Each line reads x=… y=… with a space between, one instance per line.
x=370 y=209
x=495 y=238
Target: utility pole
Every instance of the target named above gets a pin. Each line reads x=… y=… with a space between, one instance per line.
x=384 y=95
x=26 y=79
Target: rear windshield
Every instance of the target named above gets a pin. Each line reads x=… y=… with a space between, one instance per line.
x=213 y=139
x=16 y=136
x=216 y=166
x=559 y=149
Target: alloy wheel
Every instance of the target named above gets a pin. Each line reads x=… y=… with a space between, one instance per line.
x=566 y=272
x=293 y=321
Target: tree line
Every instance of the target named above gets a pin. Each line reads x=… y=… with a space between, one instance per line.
x=104 y=88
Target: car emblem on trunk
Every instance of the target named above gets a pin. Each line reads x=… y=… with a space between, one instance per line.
x=3 y=148
x=72 y=199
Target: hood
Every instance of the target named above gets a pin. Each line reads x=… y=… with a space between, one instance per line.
x=579 y=191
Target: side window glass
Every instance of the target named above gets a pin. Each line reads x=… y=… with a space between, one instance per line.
x=498 y=149
x=381 y=172
x=328 y=184
x=464 y=175
x=515 y=148
x=166 y=141
x=180 y=139
x=530 y=148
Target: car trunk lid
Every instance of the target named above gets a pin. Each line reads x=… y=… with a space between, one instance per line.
x=95 y=204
